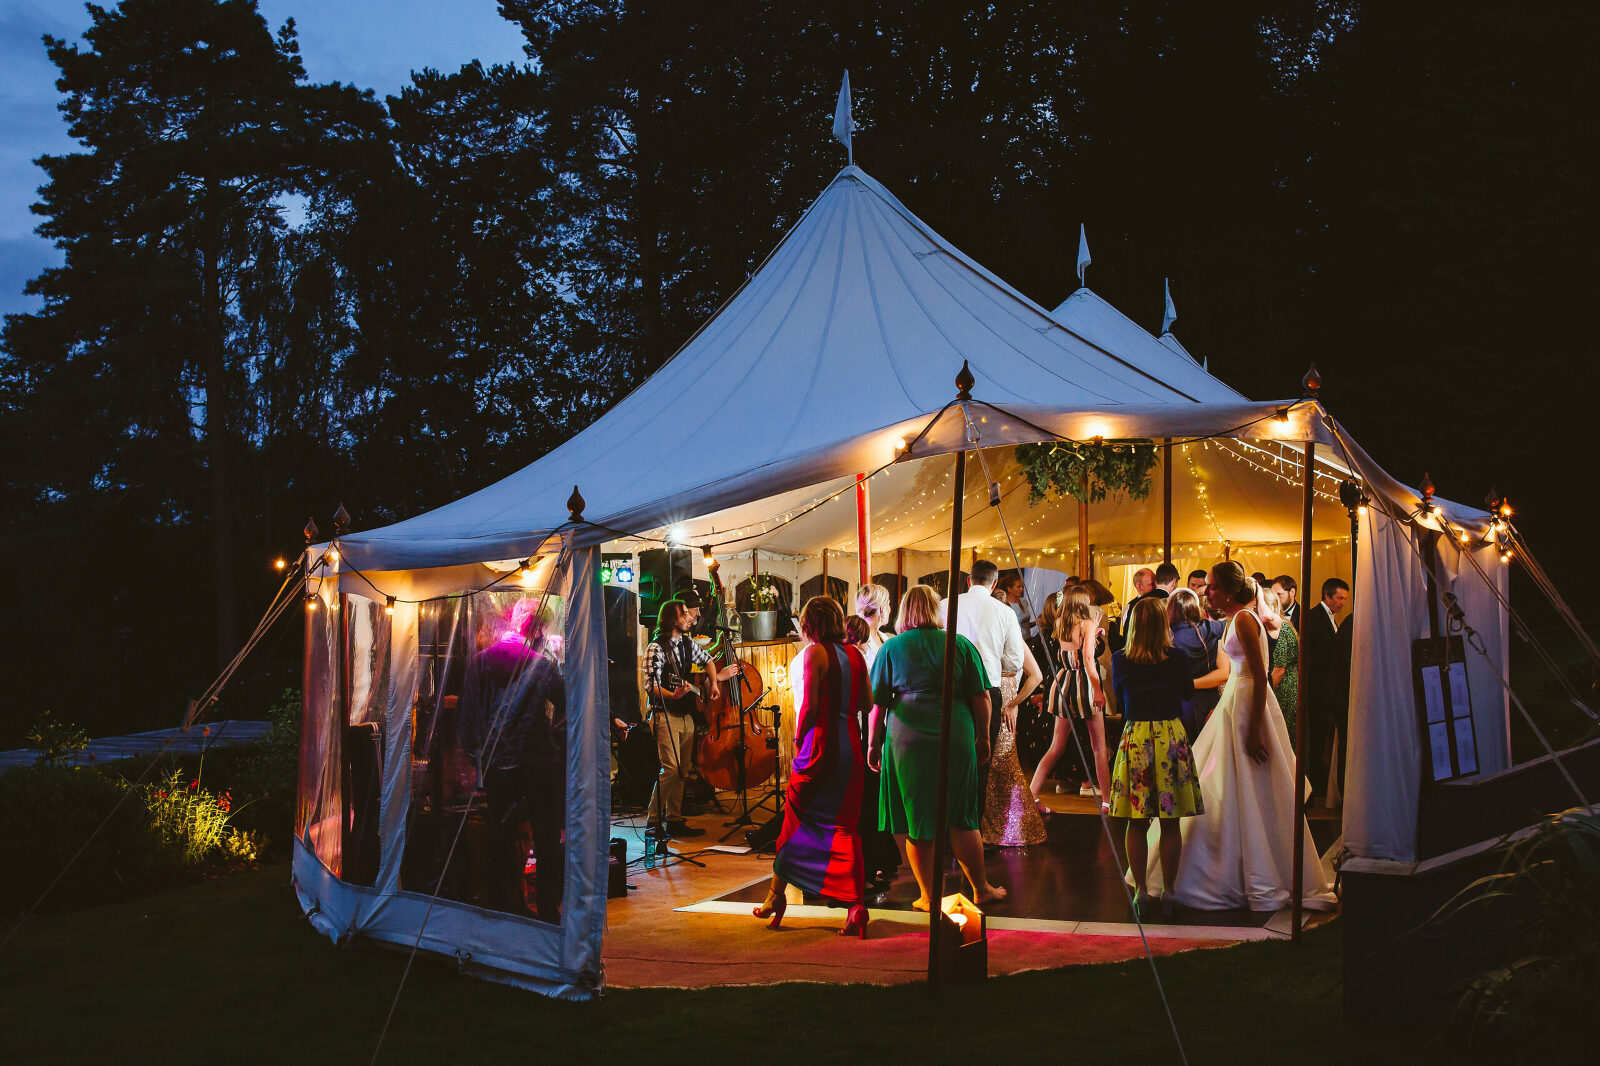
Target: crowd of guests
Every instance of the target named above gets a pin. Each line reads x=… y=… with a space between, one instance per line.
x=1203 y=675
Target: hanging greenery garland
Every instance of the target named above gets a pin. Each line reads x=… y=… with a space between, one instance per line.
x=1057 y=469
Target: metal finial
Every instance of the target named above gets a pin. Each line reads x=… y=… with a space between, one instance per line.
x=341 y=521
x=964 y=382
x=1350 y=494
x=575 y=504
x=1312 y=382
x=1494 y=499
x=1427 y=488
x=311 y=530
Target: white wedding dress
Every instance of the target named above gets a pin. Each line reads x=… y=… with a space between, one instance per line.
x=1239 y=854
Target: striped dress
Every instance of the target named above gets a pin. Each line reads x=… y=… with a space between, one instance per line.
x=819 y=846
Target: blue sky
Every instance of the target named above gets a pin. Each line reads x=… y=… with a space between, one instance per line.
x=373 y=44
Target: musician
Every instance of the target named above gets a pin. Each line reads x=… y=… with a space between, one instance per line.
x=672 y=654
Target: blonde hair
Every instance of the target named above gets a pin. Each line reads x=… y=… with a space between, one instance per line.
x=872 y=603
x=1148 y=634
x=1074 y=609
x=919 y=608
x=1047 y=614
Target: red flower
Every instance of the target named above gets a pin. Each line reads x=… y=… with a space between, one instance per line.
x=194 y=784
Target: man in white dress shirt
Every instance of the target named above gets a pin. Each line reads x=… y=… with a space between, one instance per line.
x=993 y=629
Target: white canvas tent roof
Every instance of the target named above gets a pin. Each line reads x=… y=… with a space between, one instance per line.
x=849 y=336
x=1090 y=317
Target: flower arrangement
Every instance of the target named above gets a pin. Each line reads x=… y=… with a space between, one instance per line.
x=763 y=592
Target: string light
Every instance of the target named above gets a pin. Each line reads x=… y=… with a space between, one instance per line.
x=279 y=563
x=388 y=606
x=311 y=601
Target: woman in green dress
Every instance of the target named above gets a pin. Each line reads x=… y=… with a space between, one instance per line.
x=907 y=680
x=1285 y=665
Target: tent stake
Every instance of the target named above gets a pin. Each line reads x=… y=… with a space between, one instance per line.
x=1308 y=479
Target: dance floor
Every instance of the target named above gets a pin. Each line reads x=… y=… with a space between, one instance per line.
x=688 y=925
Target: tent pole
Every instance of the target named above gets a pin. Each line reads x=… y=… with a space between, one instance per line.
x=1166 y=500
x=1085 y=568
x=1308 y=479
x=941 y=821
x=863 y=532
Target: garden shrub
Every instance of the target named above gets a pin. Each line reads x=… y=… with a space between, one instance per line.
x=46 y=813
x=158 y=830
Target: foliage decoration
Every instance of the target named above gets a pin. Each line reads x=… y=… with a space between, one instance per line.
x=1056 y=470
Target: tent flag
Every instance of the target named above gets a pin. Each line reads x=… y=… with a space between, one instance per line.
x=843 y=124
x=1171 y=314
x=1083 y=251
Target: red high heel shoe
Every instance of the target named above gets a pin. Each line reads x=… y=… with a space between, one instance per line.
x=856 y=923
x=774 y=906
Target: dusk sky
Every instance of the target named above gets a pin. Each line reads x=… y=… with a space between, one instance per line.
x=373 y=44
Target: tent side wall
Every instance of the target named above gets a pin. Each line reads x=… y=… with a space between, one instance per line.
x=1386 y=776
x=562 y=960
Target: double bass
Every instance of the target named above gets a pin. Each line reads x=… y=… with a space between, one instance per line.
x=735 y=737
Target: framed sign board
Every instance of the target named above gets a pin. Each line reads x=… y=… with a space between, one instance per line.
x=1444 y=705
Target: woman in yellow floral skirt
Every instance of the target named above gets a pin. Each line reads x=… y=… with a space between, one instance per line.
x=1154 y=776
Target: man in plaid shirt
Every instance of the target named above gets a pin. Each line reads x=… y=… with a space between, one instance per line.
x=672 y=652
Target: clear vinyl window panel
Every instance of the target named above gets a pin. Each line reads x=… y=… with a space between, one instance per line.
x=487 y=817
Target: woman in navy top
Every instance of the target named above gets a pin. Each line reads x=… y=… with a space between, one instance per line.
x=1155 y=775
x=1198 y=638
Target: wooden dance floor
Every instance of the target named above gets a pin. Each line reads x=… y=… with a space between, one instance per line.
x=690 y=926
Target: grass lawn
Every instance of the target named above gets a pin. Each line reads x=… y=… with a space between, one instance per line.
x=228 y=971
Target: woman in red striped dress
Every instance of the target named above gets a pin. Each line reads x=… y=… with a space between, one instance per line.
x=819 y=847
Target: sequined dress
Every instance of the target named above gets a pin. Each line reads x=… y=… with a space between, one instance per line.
x=1010 y=818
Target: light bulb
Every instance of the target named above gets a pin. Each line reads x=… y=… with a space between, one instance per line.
x=388 y=606
x=333 y=555
x=279 y=563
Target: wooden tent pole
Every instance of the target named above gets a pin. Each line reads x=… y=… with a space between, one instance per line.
x=1309 y=478
x=1084 y=566
x=1166 y=500
x=863 y=528
x=947 y=691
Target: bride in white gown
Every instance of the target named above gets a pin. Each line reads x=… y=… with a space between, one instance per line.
x=1240 y=853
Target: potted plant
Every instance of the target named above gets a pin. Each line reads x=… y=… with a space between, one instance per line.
x=761 y=623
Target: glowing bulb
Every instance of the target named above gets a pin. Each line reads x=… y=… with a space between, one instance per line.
x=1361 y=509
x=1465 y=536
x=311 y=601
x=388 y=605
x=279 y=563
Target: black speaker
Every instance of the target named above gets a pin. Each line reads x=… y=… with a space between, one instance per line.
x=663 y=573
x=622 y=657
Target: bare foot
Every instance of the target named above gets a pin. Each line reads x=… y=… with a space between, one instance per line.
x=992 y=894
x=920 y=903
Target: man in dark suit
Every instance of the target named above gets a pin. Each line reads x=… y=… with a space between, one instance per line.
x=1288 y=593
x=1326 y=682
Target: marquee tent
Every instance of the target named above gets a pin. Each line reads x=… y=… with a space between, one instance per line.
x=840 y=349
